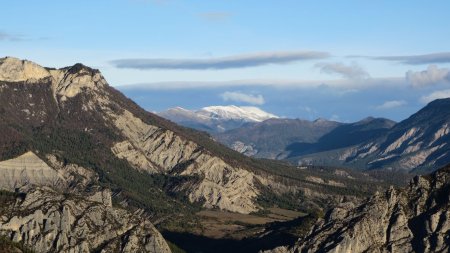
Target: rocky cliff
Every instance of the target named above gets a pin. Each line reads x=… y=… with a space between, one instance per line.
x=48 y=221
x=62 y=208
x=412 y=219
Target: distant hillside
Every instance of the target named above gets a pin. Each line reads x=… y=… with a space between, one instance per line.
x=343 y=136
x=270 y=138
x=417 y=144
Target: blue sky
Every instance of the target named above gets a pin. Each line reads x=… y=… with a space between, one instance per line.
x=342 y=60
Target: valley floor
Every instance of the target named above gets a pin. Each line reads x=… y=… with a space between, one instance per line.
x=222 y=231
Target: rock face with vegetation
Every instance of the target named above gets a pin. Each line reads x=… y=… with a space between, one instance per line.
x=62 y=208
x=78 y=99
x=48 y=221
x=412 y=219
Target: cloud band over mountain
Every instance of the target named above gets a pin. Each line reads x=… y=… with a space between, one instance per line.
x=242 y=97
x=236 y=61
x=433 y=58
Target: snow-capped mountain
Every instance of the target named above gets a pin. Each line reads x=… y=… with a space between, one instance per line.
x=232 y=112
x=217 y=118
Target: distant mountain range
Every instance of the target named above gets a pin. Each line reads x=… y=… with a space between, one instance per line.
x=216 y=119
x=416 y=144
x=269 y=139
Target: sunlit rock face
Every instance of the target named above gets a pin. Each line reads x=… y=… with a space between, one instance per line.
x=413 y=219
x=47 y=221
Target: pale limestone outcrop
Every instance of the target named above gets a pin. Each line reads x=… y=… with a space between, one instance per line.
x=125 y=150
x=14 y=70
x=414 y=219
x=27 y=170
x=47 y=221
x=65 y=83
x=68 y=84
x=221 y=185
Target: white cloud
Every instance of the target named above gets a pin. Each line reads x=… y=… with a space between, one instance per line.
x=353 y=71
x=441 y=57
x=230 y=62
x=242 y=97
x=347 y=86
x=435 y=95
x=432 y=75
x=391 y=104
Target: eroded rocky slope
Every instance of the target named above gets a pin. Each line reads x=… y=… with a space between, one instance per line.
x=79 y=98
x=62 y=208
x=47 y=221
x=412 y=219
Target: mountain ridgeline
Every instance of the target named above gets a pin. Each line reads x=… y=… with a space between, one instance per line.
x=417 y=144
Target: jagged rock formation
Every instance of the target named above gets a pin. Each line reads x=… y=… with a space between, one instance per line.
x=222 y=185
x=413 y=219
x=47 y=221
x=78 y=217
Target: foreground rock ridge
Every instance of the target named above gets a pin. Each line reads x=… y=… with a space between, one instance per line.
x=62 y=208
x=48 y=221
x=412 y=219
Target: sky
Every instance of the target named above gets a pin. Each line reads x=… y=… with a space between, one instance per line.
x=340 y=60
